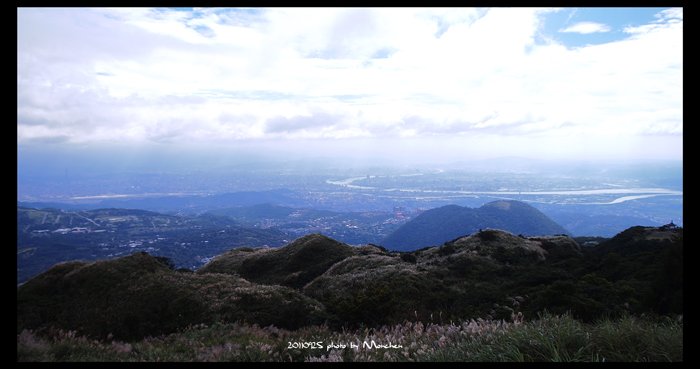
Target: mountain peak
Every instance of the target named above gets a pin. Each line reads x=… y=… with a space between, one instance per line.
x=312 y=239
x=439 y=225
x=639 y=238
x=489 y=240
x=292 y=265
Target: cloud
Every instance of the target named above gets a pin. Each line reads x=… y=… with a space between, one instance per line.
x=663 y=19
x=301 y=123
x=586 y=28
x=670 y=14
x=220 y=75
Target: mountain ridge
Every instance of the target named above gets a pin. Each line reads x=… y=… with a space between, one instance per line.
x=438 y=225
x=489 y=274
x=47 y=236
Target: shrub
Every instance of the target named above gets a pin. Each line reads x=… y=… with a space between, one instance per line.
x=446 y=249
x=137 y=296
x=409 y=258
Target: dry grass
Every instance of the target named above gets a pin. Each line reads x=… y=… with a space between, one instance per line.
x=550 y=338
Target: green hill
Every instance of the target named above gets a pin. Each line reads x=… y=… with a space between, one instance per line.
x=139 y=295
x=293 y=265
x=491 y=274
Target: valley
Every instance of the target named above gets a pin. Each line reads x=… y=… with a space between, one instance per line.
x=356 y=209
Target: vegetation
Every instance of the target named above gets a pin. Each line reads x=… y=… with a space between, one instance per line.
x=315 y=281
x=548 y=338
x=293 y=265
x=138 y=296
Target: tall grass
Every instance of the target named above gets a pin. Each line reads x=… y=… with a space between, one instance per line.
x=549 y=338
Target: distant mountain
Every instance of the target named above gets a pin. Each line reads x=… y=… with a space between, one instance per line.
x=350 y=227
x=603 y=225
x=260 y=212
x=435 y=226
x=187 y=204
x=48 y=236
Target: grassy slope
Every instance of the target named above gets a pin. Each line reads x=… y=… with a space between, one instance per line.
x=490 y=274
x=139 y=295
x=293 y=265
x=549 y=338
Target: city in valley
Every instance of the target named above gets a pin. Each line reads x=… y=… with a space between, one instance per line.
x=160 y=214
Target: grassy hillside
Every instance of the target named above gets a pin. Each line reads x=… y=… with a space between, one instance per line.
x=139 y=295
x=491 y=274
x=546 y=339
x=293 y=265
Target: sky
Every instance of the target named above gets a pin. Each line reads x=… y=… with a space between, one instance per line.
x=411 y=83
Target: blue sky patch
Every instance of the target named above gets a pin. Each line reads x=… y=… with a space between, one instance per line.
x=615 y=19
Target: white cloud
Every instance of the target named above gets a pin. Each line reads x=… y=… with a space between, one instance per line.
x=670 y=14
x=585 y=28
x=222 y=75
x=663 y=19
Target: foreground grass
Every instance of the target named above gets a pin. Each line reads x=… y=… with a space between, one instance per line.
x=550 y=338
